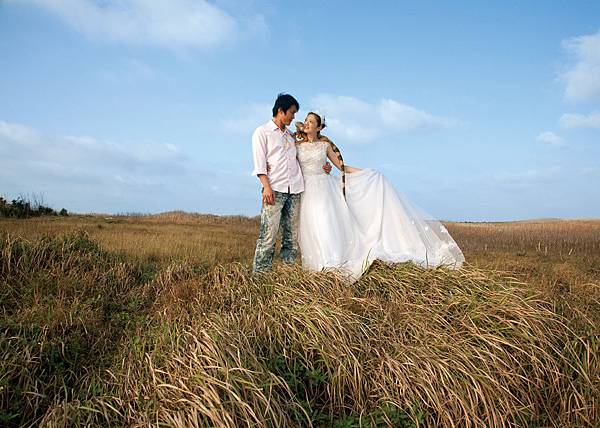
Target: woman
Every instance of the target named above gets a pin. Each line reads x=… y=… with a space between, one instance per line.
x=346 y=224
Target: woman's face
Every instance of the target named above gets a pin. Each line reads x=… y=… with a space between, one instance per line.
x=311 y=124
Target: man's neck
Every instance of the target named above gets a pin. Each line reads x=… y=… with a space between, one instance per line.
x=279 y=123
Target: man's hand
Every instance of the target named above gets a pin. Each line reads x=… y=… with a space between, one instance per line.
x=267 y=196
x=327 y=167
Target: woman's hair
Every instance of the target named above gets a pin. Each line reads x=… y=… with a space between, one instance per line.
x=301 y=136
x=284 y=102
x=320 y=122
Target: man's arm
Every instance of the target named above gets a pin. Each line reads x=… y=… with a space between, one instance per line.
x=259 y=153
x=267 y=193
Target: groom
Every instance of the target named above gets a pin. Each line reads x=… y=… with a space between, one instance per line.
x=276 y=166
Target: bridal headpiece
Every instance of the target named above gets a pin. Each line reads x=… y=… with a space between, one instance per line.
x=322 y=117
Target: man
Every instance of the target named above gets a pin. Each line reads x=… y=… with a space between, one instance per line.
x=276 y=166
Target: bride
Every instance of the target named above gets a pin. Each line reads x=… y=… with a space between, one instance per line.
x=345 y=224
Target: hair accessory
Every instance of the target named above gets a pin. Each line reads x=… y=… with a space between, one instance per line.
x=321 y=116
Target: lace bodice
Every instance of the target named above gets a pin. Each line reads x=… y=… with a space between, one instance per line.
x=312 y=157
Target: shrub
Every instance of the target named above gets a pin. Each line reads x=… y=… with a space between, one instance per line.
x=22 y=207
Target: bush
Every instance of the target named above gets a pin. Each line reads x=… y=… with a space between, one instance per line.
x=24 y=208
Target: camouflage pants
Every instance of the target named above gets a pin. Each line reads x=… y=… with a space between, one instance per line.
x=284 y=214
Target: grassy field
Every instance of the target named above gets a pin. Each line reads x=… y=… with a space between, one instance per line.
x=157 y=320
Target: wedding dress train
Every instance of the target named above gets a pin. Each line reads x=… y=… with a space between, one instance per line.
x=373 y=222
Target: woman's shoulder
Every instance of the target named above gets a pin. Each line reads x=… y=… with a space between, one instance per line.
x=325 y=140
x=325 y=144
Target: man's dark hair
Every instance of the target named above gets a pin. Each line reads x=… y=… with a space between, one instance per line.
x=284 y=102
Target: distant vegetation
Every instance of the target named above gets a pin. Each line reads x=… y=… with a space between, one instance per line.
x=24 y=208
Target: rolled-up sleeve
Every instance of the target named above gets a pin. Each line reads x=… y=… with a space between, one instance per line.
x=259 y=152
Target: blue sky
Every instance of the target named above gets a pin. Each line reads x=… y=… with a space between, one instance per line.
x=474 y=110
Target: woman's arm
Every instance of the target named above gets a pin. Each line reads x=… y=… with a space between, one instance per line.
x=333 y=157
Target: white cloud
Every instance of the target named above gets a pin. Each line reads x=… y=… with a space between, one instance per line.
x=247 y=118
x=582 y=78
x=348 y=118
x=167 y=23
x=359 y=121
x=60 y=162
x=13 y=133
x=551 y=138
x=86 y=174
x=403 y=117
x=575 y=120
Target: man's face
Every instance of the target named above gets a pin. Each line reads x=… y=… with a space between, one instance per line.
x=289 y=115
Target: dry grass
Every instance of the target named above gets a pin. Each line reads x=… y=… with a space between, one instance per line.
x=554 y=256
x=97 y=329
x=198 y=239
x=554 y=237
x=560 y=258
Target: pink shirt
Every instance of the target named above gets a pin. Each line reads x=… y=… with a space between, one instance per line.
x=275 y=150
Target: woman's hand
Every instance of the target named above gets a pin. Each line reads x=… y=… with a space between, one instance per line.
x=327 y=167
x=350 y=169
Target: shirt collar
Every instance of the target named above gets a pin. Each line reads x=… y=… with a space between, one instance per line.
x=273 y=127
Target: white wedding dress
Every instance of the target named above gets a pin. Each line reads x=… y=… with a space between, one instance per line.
x=373 y=222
